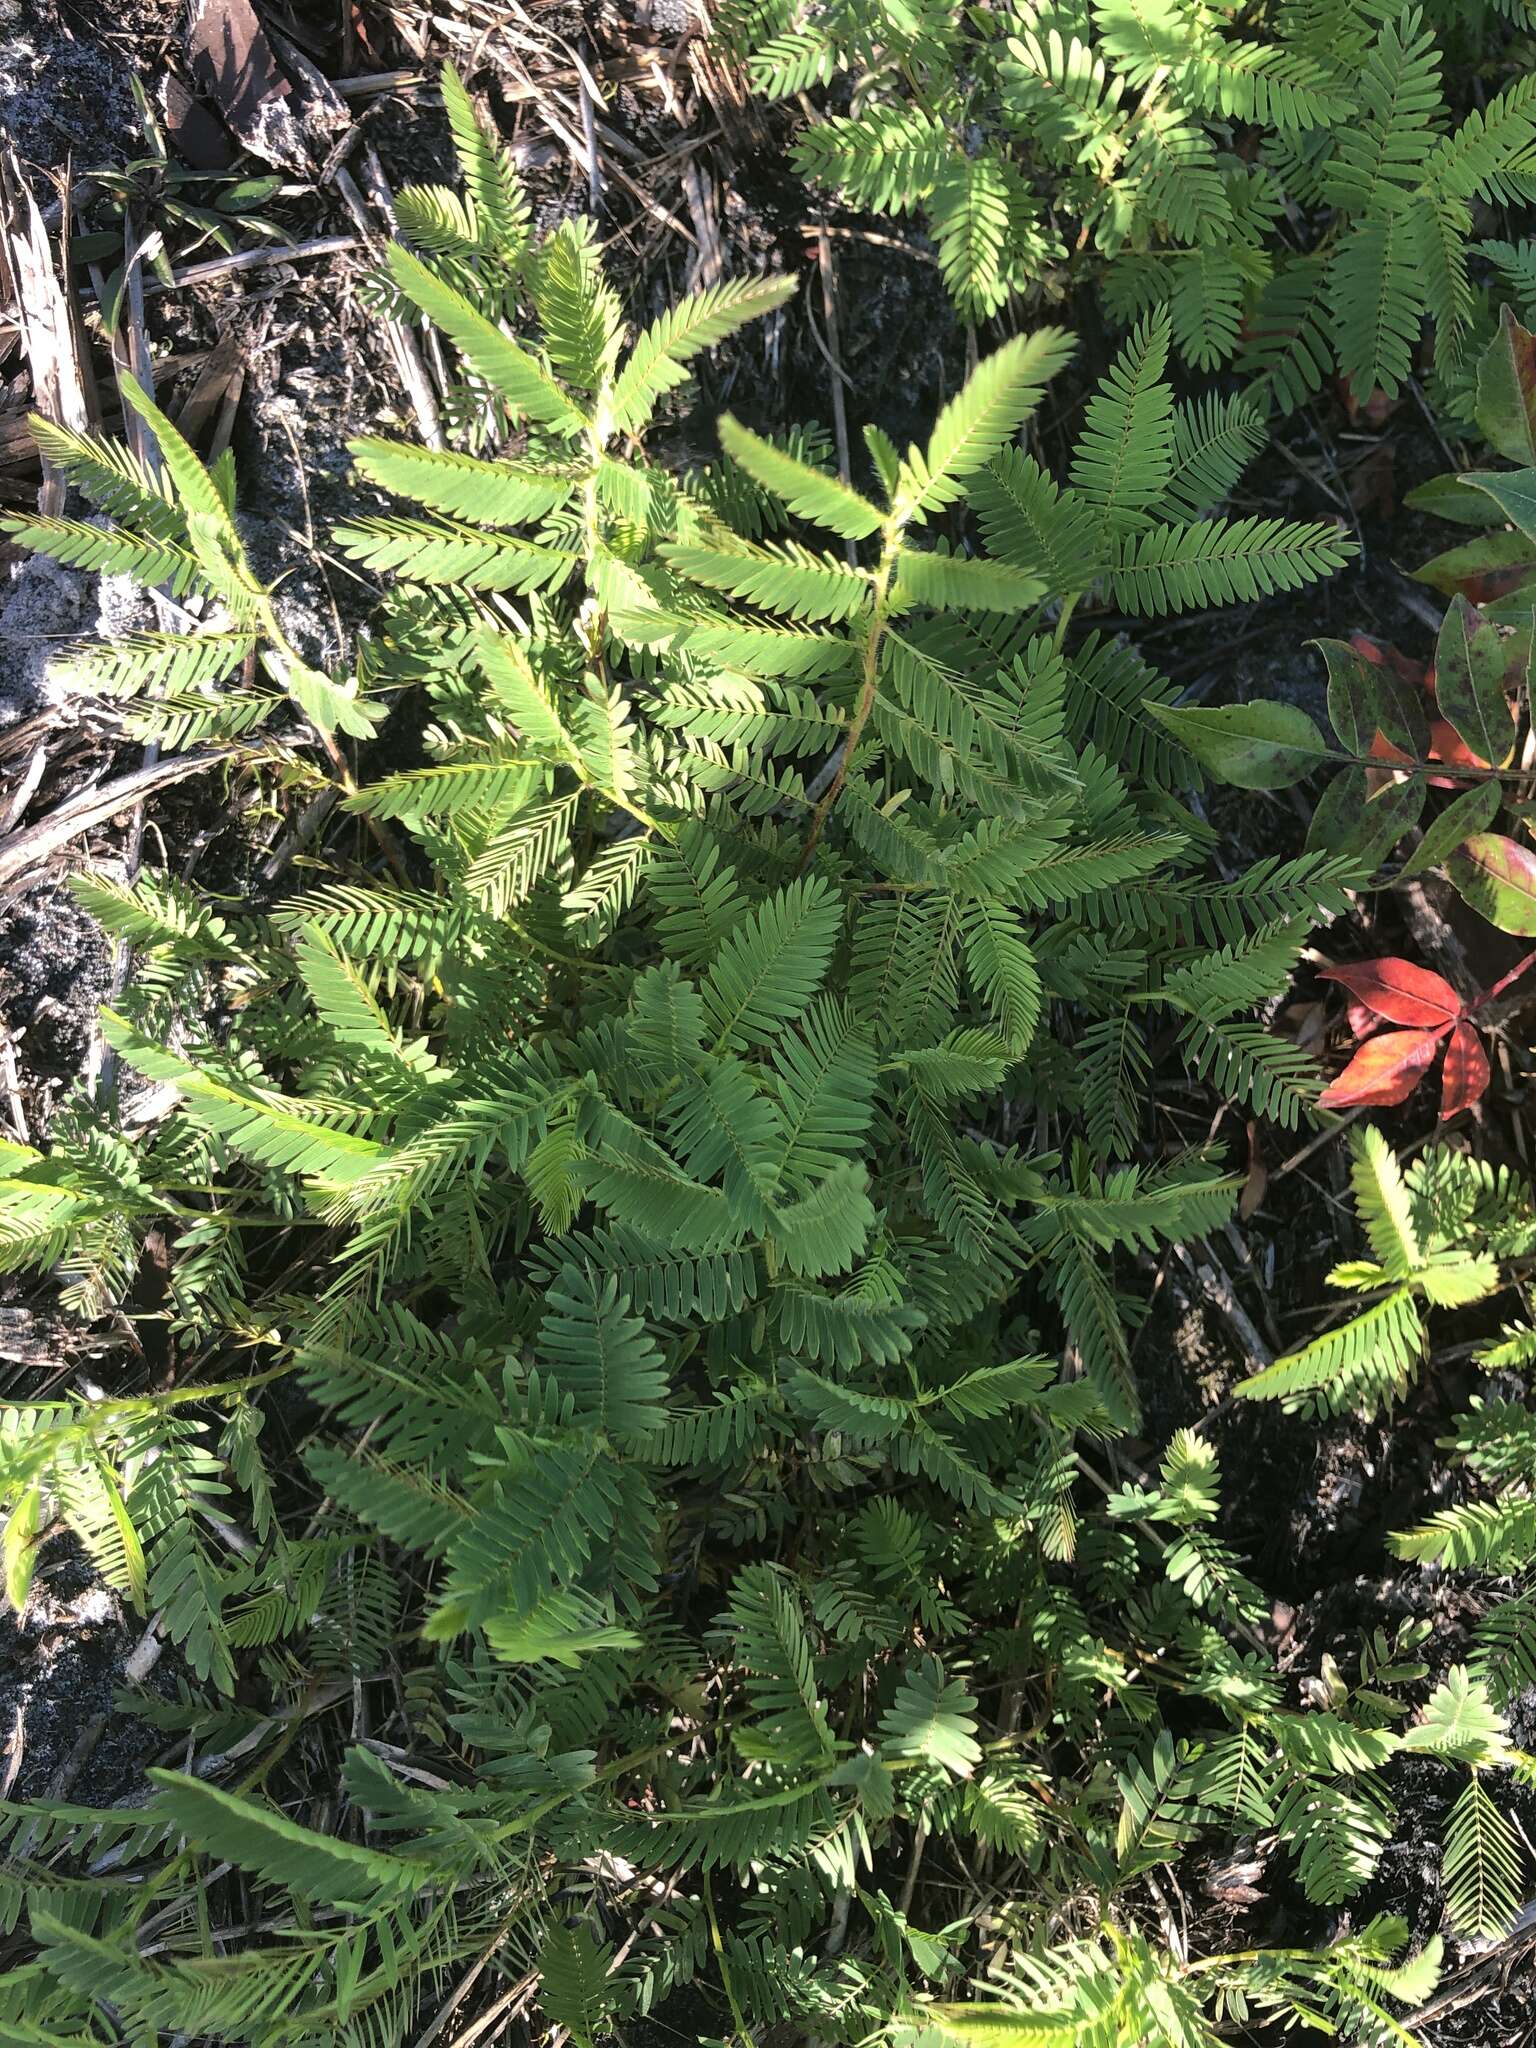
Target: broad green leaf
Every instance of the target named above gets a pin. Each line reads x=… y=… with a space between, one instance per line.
x=1506 y=391
x=1353 y=707
x=1366 y=828
x=1452 y=497
x=1480 y=569
x=1469 y=682
x=1263 y=745
x=1389 y=814
x=1497 y=876
x=1513 y=491
x=1473 y=811
x=1336 y=815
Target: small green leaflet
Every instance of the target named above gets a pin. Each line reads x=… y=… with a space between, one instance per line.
x=810 y=492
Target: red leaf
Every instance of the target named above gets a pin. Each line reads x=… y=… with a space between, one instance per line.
x=1466 y=1071
x=1385 y=1069
x=1400 y=992
x=1446 y=744
x=1382 y=749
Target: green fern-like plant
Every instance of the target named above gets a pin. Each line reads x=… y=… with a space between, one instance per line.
x=637 y=1391
x=1042 y=144
x=1436 y=1234
x=1422 y=755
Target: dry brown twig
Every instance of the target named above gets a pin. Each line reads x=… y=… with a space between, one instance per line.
x=43 y=319
x=398 y=338
x=23 y=853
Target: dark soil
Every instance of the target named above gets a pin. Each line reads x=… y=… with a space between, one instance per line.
x=64 y=72
x=66 y=1739
x=54 y=966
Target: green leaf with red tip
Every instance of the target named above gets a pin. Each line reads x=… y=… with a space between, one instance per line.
x=1469 y=682
x=1402 y=714
x=1497 y=876
x=1492 y=566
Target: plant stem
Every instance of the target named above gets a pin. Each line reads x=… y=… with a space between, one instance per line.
x=1504 y=981
x=738 y=2018
x=879 y=619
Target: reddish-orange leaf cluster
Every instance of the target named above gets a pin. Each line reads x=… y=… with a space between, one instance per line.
x=1390 y=1065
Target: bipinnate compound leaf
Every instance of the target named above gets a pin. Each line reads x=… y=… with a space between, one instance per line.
x=629 y=1236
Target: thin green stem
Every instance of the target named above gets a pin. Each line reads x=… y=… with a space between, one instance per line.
x=738 y=2018
x=1064 y=618
x=870 y=679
